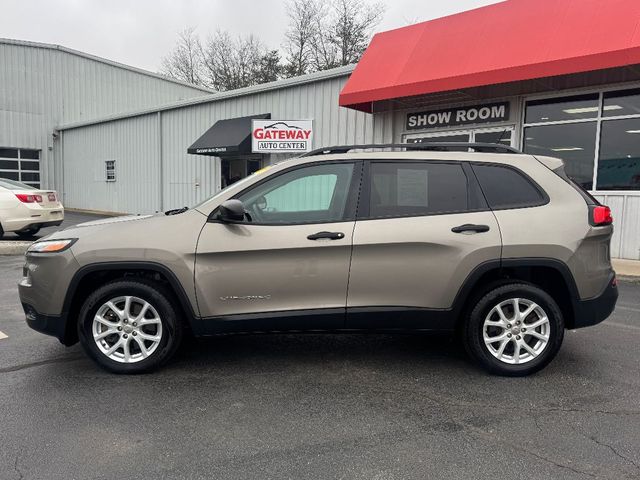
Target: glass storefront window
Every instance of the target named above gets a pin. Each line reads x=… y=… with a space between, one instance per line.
x=625 y=102
x=572 y=142
x=619 y=157
x=565 y=108
x=499 y=136
x=463 y=137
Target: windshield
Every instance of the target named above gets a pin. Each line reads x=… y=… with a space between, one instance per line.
x=13 y=185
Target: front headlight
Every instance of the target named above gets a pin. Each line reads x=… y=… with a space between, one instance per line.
x=51 y=246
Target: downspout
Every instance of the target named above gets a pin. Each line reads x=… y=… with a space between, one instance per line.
x=160 y=165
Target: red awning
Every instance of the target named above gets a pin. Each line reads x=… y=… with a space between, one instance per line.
x=506 y=42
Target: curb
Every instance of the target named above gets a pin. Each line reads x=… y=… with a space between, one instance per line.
x=628 y=278
x=14 y=248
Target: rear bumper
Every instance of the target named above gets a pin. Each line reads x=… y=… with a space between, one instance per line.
x=42 y=225
x=36 y=218
x=54 y=325
x=595 y=310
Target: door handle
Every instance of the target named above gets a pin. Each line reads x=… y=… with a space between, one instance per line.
x=327 y=235
x=470 y=227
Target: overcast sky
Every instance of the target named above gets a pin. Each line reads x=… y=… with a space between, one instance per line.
x=140 y=32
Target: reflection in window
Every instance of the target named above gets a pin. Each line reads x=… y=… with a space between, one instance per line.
x=565 y=108
x=625 y=102
x=499 y=136
x=619 y=159
x=456 y=137
x=572 y=142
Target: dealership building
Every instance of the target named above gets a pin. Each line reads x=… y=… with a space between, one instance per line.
x=551 y=77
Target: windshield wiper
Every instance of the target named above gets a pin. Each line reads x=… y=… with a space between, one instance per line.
x=176 y=211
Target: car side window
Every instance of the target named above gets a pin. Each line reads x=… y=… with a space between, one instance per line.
x=400 y=189
x=313 y=194
x=505 y=187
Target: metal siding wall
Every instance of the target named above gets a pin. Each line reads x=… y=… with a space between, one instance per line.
x=133 y=144
x=41 y=88
x=333 y=125
x=625 y=242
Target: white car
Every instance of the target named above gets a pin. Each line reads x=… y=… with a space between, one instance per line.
x=25 y=210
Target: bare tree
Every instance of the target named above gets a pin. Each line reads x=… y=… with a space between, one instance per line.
x=184 y=62
x=231 y=63
x=323 y=35
x=270 y=68
x=323 y=50
x=351 y=26
x=303 y=24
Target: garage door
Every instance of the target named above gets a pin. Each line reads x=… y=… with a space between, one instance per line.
x=21 y=164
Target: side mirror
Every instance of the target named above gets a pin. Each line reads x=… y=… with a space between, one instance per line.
x=232 y=211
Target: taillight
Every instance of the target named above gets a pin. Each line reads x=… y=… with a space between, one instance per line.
x=26 y=198
x=600 y=215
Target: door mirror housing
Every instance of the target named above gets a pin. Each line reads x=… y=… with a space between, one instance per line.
x=231 y=211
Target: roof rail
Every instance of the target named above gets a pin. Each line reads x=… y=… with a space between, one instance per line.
x=430 y=146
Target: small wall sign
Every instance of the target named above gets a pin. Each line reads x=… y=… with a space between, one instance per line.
x=490 y=113
x=281 y=136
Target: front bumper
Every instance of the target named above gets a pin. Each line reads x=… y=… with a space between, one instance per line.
x=43 y=290
x=54 y=325
x=595 y=310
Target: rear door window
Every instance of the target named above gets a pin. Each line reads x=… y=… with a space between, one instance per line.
x=399 y=189
x=506 y=187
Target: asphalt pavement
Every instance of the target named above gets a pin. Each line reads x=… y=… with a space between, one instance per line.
x=320 y=407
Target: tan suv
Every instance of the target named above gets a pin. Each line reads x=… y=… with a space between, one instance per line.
x=497 y=245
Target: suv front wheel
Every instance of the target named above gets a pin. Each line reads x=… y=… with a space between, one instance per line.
x=514 y=330
x=129 y=326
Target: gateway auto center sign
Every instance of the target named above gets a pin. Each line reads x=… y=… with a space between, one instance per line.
x=281 y=136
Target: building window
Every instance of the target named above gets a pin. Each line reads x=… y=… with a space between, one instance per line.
x=568 y=127
x=20 y=164
x=619 y=157
x=575 y=143
x=565 y=108
x=110 y=166
x=625 y=102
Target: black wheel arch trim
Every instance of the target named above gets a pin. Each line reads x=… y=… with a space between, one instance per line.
x=156 y=267
x=470 y=283
x=329 y=319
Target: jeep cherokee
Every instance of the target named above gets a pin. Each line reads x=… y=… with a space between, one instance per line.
x=478 y=239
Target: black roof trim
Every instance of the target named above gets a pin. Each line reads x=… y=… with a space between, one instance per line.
x=435 y=146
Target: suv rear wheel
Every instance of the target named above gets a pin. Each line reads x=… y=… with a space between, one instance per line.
x=129 y=326
x=514 y=330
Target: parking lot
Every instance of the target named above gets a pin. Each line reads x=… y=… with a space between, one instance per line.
x=320 y=406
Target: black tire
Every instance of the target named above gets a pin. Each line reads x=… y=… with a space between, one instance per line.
x=28 y=233
x=474 y=326
x=159 y=298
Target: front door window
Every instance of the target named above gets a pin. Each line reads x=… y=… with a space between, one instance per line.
x=314 y=194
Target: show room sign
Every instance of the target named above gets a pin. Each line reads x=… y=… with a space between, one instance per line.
x=281 y=136
x=493 y=112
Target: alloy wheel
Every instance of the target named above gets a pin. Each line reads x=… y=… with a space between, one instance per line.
x=127 y=329
x=516 y=331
